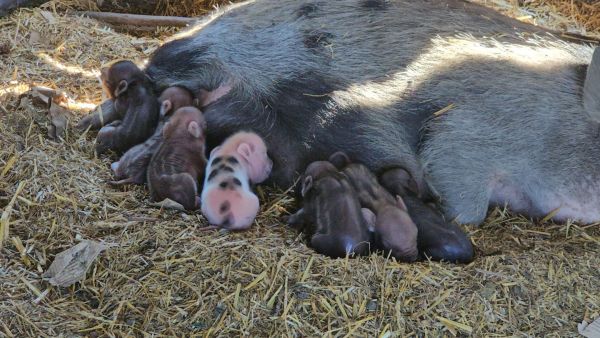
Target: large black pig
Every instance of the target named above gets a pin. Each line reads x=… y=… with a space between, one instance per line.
x=515 y=124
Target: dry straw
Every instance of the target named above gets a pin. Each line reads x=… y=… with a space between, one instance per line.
x=165 y=277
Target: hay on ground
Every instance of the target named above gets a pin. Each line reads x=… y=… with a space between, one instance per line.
x=162 y=276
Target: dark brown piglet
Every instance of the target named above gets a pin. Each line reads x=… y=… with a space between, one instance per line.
x=134 y=103
x=438 y=239
x=131 y=167
x=332 y=208
x=394 y=230
x=179 y=162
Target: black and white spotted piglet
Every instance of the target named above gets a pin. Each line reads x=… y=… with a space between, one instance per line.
x=227 y=198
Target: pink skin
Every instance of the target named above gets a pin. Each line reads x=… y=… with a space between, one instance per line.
x=227 y=199
x=395 y=231
x=253 y=152
x=243 y=206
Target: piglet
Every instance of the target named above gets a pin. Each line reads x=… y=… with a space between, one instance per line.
x=227 y=198
x=132 y=166
x=394 y=230
x=437 y=239
x=136 y=109
x=179 y=161
x=331 y=206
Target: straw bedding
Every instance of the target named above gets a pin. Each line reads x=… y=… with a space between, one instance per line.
x=165 y=277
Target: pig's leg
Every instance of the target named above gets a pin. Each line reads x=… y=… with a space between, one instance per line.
x=101 y=116
x=297 y=220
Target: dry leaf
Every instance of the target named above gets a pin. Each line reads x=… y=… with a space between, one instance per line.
x=56 y=117
x=40 y=96
x=71 y=265
x=168 y=204
x=58 y=121
x=589 y=330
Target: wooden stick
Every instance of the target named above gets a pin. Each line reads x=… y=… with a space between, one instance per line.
x=138 y=20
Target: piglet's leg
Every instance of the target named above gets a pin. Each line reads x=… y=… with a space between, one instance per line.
x=297 y=220
x=125 y=181
x=437 y=238
x=104 y=114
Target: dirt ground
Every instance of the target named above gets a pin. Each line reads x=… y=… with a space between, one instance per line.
x=162 y=276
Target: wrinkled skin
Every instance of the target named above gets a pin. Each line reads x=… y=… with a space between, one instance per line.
x=134 y=102
x=395 y=232
x=131 y=167
x=438 y=239
x=179 y=162
x=331 y=206
x=227 y=198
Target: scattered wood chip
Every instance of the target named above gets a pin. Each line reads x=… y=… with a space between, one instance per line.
x=589 y=330
x=70 y=266
x=168 y=204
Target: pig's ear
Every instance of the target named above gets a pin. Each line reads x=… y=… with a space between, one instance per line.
x=194 y=129
x=121 y=88
x=306 y=185
x=369 y=217
x=245 y=150
x=591 y=87
x=400 y=203
x=165 y=108
x=214 y=151
x=166 y=130
x=339 y=160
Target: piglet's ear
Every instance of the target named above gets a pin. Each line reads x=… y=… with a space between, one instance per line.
x=214 y=151
x=400 y=203
x=167 y=128
x=306 y=185
x=245 y=150
x=369 y=217
x=121 y=88
x=339 y=160
x=165 y=108
x=194 y=129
